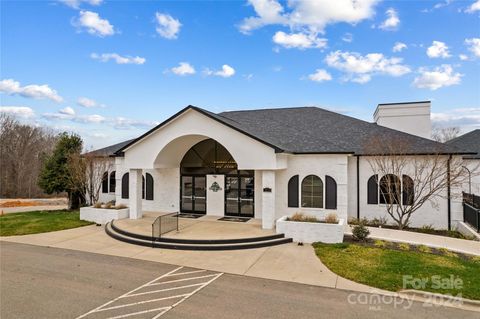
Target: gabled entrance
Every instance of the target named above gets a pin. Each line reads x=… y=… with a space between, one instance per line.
x=235 y=196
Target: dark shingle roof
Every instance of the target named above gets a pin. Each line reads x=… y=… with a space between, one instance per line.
x=109 y=150
x=316 y=130
x=311 y=130
x=469 y=142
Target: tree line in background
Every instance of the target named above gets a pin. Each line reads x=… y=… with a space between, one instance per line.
x=37 y=161
x=23 y=150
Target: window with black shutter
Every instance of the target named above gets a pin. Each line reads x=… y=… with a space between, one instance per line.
x=330 y=193
x=372 y=190
x=149 y=187
x=293 y=191
x=125 y=182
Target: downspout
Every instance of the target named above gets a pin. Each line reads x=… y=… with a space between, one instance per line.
x=358 y=187
x=449 y=193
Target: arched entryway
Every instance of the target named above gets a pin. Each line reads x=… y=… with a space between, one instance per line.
x=210 y=158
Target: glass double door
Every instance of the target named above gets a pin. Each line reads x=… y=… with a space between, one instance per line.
x=193 y=194
x=239 y=196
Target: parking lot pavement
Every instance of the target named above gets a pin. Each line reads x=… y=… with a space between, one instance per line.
x=156 y=297
x=44 y=282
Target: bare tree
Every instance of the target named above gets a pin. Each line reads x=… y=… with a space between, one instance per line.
x=87 y=173
x=445 y=134
x=23 y=149
x=406 y=182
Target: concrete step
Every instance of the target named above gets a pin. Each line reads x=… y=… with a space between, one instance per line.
x=197 y=246
x=196 y=241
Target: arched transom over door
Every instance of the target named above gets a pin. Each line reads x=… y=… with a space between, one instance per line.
x=210 y=157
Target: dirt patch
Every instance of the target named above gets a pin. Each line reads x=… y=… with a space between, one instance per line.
x=18 y=203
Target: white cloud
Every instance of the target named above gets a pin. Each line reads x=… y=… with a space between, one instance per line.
x=168 y=27
x=299 y=40
x=94 y=25
x=463 y=57
x=20 y=111
x=320 y=75
x=307 y=14
x=473 y=46
x=67 y=111
x=226 y=71
x=94 y=118
x=439 y=77
x=438 y=49
x=462 y=117
x=474 y=7
x=12 y=87
x=76 y=3
x=268 y=11
x=347 y=37
x=86 y=102
x=360 y=68
x=122 y=123
x=392 y=22
x=105 y=57
x=399 y=46
x=184 y=68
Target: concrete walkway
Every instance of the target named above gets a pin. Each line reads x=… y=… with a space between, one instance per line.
x=464 y=246
x=288 y=262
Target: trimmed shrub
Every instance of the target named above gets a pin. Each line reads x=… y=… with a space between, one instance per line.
x=97 y=205
x=447 y=252
x=404 y=246
x=360 y=232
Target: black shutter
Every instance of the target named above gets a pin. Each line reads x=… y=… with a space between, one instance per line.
x=125 y=182
x=149 y=187
x=293 y=191
x=143 y=187
x=330 y=193
x=105 y=182
x=372 y=189
x=408 y=190
x=113 y=182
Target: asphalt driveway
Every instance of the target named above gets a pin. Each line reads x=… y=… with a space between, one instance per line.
x=42 y=282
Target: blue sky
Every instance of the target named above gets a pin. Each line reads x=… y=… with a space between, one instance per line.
x=109 y=70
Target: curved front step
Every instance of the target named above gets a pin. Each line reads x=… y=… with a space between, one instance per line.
x=189 y=246
x=196 y=241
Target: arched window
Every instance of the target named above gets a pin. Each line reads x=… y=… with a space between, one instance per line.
x=149 y=187
x=330 y=193
x=125 y=186
x=105 y=182
x=312 y=192
x=143 y=187
x=113 y=182
x=293 y=191
x=407 y=190
x=390 y=186
x=372 y=190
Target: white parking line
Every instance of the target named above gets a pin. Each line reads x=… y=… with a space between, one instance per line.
x=141 y=312
x=113 y=300
x=161 y=310
x=187 y=273
x=161 y=290
x=178 y=280
x=142 y=302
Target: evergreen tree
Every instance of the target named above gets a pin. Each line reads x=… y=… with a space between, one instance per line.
x=55 y=175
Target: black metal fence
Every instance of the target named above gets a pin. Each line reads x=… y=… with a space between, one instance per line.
x=164 y=224
x=471 y=215
x=472 y=199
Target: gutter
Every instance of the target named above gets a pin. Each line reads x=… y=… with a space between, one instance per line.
x=449 y=210
x=358 y=187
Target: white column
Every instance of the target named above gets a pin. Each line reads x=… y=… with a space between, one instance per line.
x=135 y=193
x=268 y=199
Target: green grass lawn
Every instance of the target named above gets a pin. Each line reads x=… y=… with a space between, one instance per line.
x=384 y=268
x=39 y=222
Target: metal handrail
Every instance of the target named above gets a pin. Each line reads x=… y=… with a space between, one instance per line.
x=166 y=222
